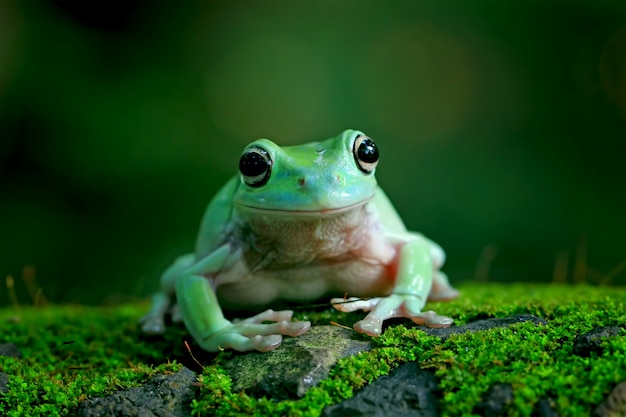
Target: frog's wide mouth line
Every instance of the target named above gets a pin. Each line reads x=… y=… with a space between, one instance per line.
x=304 y=213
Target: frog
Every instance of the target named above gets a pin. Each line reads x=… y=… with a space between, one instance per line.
x=296 y=224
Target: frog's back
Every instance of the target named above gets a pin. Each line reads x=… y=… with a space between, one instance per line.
x=216 y=219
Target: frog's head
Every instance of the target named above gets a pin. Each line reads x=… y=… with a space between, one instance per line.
x=317 y=178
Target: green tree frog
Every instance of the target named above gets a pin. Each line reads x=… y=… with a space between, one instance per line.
x=296 y=224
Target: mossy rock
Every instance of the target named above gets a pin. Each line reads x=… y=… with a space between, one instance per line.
x=71 y=353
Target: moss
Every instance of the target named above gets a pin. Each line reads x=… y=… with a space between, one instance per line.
x=71 y=353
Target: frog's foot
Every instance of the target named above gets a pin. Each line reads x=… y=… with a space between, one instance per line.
x=255 y=334
x=383 y=308
x=441 y=289
x=153 y=322
x=177 y=316
x=443 y=294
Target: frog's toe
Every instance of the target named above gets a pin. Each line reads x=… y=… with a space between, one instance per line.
x=266 y=343
x=177 y=316
x=432 y=320
x=152 y=325
x=369 y=326
x=262 y=337
x=288 y=328
x=353 y=304
x=284 y=327
x=295 y=328
x=236 y=341
x=268 y=315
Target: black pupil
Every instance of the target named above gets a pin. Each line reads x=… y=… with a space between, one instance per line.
x=367 y=152
x=252 y=164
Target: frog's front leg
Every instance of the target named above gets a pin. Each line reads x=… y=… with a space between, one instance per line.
x=205 y=320
x=154 y=322
x=414 y=280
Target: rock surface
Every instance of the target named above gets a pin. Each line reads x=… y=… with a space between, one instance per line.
x=301 y=362
x=298 y=364
x=496 y=402
x=9 y=349
x=591 y=341
x=407 y=392
x=545 y=408
x=615 y=403
x=161 y=396
x=4 y=382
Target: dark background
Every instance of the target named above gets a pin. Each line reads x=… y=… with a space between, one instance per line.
x=501 y=126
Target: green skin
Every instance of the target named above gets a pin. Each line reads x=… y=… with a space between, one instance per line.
x=319 y=226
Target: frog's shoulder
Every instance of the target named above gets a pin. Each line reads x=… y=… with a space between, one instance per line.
x=216 y=217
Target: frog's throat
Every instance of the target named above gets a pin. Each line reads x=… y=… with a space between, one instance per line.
x=302 y=213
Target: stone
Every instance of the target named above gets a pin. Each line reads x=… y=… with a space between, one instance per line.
x=4 y=382
x=496 y=402
x=480 y=325
x=161 y=396
x=591 y=341
x=9 y=349
x=545 y=408
x=407 y=392
x=615 y=403
x=301 y=362
x=298 y=364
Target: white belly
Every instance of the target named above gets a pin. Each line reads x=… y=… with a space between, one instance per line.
x=302 y=260
x=356 y=278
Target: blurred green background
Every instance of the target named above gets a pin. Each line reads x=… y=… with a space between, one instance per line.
x=501 y=126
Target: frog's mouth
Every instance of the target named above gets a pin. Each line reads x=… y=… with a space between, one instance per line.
x=323 y=212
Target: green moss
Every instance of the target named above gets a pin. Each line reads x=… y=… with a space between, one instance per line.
x=71 y=353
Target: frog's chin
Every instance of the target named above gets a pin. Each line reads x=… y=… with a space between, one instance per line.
x=322 y=212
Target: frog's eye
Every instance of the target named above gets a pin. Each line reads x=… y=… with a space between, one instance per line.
x=365 y=154
x=255 y=166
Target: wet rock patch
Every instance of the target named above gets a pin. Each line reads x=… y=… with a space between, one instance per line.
x=615 y=403
x=4 y=382
x=591 y=341
x=408 y=391
x=9 y=349
x=496 y=402
x=161 y=396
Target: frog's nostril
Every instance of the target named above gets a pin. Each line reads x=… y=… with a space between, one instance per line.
x=341 y=180
x=301 y=182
